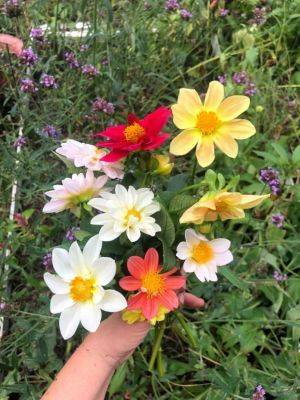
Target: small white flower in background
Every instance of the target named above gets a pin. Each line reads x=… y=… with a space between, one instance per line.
x=89 y=156
x=78 y=288
x=74 y=191
x=203 y=256
x=126 y=211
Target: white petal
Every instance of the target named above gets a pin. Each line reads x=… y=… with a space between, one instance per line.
x=189 y=265
x=105 y=270
x=200 y=273
x=133 y=233
x=220 y=245
x=90 y=316
x=61 y=263
x=59 y=302
x=99 y=203
x=183 y=251
x=107 y=233
x=92 y=250
x=193 y=237
x=69 y=321
x=223 y=258
x=76 y=258
x=56 y=284
x=113 y=301
x=102 y=219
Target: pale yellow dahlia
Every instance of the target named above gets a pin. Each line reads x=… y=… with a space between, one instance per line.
x=209 y=124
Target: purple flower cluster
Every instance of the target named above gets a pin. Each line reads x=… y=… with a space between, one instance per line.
x=3 y=306
x=259 y=16
x=222 y=79
x=48 y=81
x=37 y=34
x=28 y=86
x=84 y=47
x=278 y=220
x=172 y=5
x=185 y=14
x=28 y=57
x=101 y=104
x=20 y=142
x=224 y=12
x=47 y=261
x=270 y=176
x=90 y=70
x=250 y=89
x=259 y=393
x=71 y=59
x=242 y=78
x=50 y=131
x=11 y=8
x=70 y=234
x=279 y=277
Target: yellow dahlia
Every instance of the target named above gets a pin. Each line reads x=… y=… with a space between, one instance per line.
x=226 y=205
x=209 y=124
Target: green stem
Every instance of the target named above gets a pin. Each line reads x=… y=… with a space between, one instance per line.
x=160 y=364
x=159 y=334
x=194 y=170
x=195 y=186
x=186 y=328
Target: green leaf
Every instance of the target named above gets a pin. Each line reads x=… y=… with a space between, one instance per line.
x=236 y=281
x=280 y=150
x=296 y=155
x=177 y=182
x=118 y=379
x=294 y=315
x=181 y=202
x=167 y=234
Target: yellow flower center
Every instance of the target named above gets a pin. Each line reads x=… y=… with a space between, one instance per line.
x=202 y=252
x=153 y=284
x=82 y=289
x=134 y=213
x=134 y=132
x=207 y=122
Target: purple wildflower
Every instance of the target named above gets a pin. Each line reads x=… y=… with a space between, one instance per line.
x=28 y=86
x=101 y=104
x=185 y=14
x=259 y=16
x=224 y=12
x=70 y=234
x=48 y=81
x=240 y=78
x=268 y=175
x=3 y=306
x=104 y=62
x=47 y=261
x=28 y=57
x=11 y=8
x=259 y=393
x=71 y=59
x=172 y=5
x=84 y=47
x=222 y=79
x=20 y=142
x=37 y=34
x=90 y=70
x=279 y=277
x=50 y=131
x=278 y=220
x=250 y=89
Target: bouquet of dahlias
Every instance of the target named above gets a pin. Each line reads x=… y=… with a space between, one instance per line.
x=139 y=244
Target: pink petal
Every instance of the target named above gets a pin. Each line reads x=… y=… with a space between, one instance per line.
x=151 y=260
x=136 y=266
x=150 y=307
x=175 y=282
x=129 y=283
x=137 y=301
x=169 y=299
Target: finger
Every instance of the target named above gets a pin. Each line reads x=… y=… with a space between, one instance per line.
x=192 y=301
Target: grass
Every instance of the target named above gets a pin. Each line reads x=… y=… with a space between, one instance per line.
x=249 y=332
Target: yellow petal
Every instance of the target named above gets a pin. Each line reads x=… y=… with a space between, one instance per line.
x=205 y=152
x=214 y=95
x=231 y=198
x=184 y=142
x=182 y=118
x=232 y=107
x=238 y=128
x=190 y=100
x=226 y=144
x=231 y=213
x=249 y=200
x=194 y=215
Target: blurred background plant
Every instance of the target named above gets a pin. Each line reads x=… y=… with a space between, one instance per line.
x=85 y=65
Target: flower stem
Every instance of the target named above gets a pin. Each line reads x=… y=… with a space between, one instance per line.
x=159 y=334
x=194 y=170
x=186 y=328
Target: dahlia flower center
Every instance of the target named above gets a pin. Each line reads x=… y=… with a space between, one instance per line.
x=82 y=197
x=82 y=289
x=207 y=122
x=132 y=212
x=133 y=133
x=152 y=283
x=202 y=252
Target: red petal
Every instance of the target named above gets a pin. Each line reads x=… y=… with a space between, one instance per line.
x=136 y=266
x=155 y=121
x=150 y=307
x=129 y=283
x=137 y=301
x=113 y=132
x=115 y=155
x=174 y=282
x=156 y=142
x=169 y=299
x=151 y=260
x=132 y=118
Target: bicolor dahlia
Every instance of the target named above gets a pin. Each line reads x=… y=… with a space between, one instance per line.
x=226 y=205
x=78 y=287
x=139 y=134
x=127 y=211
x=89 y=156
x=203 y=256
x=155 y=289
x=209 y=124
x=132 y=316
x=74 y=191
